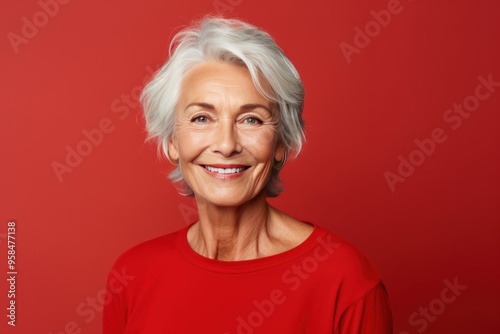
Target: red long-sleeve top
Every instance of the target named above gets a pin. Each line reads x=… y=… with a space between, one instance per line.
x=324 y=285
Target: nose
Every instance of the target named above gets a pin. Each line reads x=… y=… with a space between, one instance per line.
x=225 y=138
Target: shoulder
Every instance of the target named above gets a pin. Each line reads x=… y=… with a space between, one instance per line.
x=147 y=253
x=350 y=269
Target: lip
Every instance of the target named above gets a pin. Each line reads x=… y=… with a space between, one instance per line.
x=225 y=176
x=225 y=165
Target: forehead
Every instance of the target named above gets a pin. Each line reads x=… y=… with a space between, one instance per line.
x=220 y=80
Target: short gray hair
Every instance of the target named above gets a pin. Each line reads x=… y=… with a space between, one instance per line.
x=232 y=41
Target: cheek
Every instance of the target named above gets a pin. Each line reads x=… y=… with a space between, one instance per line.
x=260 y=143
x=191 y=143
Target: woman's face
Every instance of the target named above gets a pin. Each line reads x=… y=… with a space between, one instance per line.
x=225 y=135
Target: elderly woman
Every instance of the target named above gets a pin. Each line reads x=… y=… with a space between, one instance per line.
x=226 y=110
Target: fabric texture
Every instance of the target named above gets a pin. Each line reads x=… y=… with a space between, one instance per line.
x=324 y=285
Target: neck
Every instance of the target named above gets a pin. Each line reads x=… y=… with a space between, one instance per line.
x=232 y=233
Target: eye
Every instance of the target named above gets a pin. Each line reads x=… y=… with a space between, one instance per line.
x=200 y=119
x=252 y=120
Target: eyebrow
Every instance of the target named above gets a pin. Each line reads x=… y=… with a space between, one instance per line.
x=245 y=107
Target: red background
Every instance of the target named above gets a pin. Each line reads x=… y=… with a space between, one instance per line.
x=76 y=70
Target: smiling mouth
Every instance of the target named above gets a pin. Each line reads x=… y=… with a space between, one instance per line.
x=230 y=170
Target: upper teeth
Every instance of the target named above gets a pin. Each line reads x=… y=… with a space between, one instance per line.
x=225 y=170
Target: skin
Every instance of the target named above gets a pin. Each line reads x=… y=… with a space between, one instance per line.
x=221 y=118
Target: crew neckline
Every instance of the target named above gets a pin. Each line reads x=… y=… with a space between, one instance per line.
x=247 y=265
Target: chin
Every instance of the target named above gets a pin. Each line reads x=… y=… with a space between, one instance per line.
x=228 y=201
x=227 y=198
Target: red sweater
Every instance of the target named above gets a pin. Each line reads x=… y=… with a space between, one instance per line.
x=324 y=285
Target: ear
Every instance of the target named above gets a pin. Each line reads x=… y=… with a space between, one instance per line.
x=279 y=151
x=173 y=148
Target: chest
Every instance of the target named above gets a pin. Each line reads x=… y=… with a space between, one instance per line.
x=281 y=301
